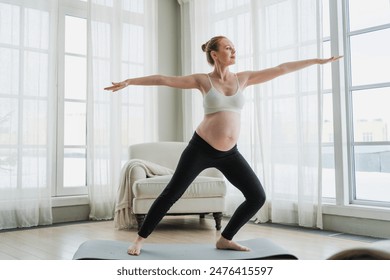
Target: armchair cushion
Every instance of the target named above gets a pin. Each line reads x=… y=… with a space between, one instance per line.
x=201 y=187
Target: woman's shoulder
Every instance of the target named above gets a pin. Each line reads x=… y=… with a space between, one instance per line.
x=243 y=77
x=203 y=81
x=201 y=76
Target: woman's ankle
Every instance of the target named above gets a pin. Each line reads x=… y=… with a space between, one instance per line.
x=139 y=239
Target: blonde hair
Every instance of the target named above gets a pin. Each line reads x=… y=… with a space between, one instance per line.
x=212 y=45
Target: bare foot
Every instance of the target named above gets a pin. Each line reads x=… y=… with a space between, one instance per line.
x=135 y=248
x=225 y=244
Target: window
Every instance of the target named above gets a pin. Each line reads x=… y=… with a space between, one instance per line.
x=45 y=58
x=24 y=96
x=368 y=54
x=72 y=105
x=363 y=32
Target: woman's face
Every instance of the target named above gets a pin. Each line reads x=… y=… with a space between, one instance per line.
x=226 y=54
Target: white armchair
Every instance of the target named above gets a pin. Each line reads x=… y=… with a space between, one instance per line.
x=205 y=195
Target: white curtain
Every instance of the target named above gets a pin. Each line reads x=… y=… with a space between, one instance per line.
x=27 y=99
x=120 y=45
x=281 y=121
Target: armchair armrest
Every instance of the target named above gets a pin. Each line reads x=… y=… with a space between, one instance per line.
x=137 y=173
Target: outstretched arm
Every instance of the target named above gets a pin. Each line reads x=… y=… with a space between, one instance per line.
x=183 y=82
x=257 y=77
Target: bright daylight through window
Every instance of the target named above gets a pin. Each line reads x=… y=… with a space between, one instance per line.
x=368 y=51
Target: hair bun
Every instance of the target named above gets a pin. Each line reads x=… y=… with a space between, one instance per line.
x=204 y=46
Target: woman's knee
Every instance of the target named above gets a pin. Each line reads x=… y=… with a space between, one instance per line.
x=261 y=200
x=257 y=197
x=257 y=202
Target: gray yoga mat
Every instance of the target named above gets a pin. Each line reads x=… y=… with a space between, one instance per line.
x=261 y=248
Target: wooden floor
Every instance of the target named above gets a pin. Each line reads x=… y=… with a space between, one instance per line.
x=60 y=242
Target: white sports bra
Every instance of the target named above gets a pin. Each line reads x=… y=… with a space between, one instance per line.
x=215 y=101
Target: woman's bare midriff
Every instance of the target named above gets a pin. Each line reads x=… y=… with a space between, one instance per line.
x=220 y=130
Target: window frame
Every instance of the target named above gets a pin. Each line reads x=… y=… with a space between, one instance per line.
x=345 y=203
x=73 y=9
x=350 y=89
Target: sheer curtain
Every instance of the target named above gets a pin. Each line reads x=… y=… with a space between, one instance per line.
x=281 y=121
x=119 y=46
x=27 y=99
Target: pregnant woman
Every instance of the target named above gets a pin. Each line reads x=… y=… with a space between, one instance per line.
x=214 y=143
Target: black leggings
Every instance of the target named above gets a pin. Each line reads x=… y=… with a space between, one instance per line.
x=198 y=156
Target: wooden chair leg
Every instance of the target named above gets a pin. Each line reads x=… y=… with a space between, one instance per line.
x=218 y=218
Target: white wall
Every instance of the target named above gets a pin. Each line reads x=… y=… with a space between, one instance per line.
x=169 y=100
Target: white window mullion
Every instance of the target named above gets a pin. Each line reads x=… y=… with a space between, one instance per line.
x=341 y=142
x=19 y=148
x=60 y=102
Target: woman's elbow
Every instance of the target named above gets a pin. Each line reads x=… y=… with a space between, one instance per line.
x=281 y=70
x=160 y=80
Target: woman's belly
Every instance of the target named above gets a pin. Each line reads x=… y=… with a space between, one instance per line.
x=221 y=130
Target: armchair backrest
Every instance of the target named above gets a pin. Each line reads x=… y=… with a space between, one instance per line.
x=166 y=154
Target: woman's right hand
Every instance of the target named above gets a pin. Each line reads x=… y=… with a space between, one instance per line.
x=117 y=86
